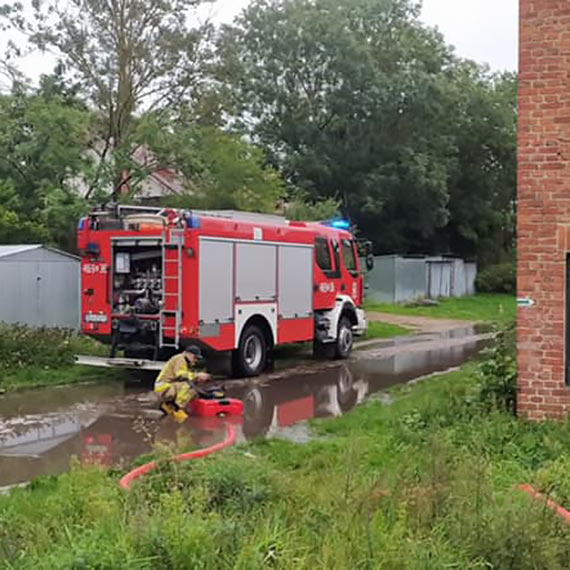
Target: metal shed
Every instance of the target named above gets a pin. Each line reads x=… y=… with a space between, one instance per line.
x=450 y=277
x=39 y=286
x=397 y=279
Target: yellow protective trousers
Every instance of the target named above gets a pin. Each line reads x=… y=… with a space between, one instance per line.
x=178 y=392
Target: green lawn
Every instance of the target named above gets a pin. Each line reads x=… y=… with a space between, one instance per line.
x=38 y=377
x=428 y=482
x=384 y=330
x=484 y=307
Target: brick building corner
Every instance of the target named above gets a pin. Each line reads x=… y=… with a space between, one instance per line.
x=544 y=207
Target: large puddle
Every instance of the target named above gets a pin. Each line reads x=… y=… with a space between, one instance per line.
x=41 y=430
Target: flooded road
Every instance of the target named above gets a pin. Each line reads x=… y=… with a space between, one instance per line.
x=41 y=430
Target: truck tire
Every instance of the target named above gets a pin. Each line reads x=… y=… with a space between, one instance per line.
x=344 y=339
x=250 y=357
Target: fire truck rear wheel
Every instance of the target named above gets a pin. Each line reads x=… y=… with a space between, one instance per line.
x=344 y=339
x=250 y=358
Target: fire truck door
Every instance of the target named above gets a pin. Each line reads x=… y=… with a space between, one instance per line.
x=328 y=273
x=351 y=276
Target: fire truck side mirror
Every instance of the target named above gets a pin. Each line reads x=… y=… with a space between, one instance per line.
x=366 y=252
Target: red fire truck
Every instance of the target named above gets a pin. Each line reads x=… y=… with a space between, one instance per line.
x=156 y=279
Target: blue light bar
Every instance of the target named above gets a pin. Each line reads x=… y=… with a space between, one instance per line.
x=193 y=221
x=339 y=224
x=81 y=224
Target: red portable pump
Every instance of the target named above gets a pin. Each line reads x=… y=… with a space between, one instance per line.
x=212 y=402
x=223 y=407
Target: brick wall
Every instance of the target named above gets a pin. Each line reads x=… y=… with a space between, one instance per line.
x=543 y=205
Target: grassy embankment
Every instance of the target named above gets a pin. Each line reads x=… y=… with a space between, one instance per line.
x=385 y=330
x=496 y=308
x=426 y=482
x=31 y=358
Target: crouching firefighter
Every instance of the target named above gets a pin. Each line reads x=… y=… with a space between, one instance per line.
x=175 y=383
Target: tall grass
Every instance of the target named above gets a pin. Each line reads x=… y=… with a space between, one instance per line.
x=32 y=357
x=427 y=482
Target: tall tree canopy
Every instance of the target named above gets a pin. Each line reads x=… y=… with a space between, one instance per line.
x=359 y=101
x=127 y=57
x=42 y=143
x=46 y=166
x=310 y=106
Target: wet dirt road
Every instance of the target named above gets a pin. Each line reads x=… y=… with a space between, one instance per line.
x=41 y=430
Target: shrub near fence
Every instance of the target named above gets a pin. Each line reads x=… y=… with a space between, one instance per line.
x=500 y=278
x=22 y=346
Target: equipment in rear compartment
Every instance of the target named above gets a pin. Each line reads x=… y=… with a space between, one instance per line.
x=137 y=281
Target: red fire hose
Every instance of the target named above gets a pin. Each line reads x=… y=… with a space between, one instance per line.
x=230 y=439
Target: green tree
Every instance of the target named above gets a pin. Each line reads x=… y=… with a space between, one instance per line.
x=42 y=143
x=482 y=179
x=299 y=207
x=361 y=102
x=126 y=57
x=345 y=98
x=220 y=170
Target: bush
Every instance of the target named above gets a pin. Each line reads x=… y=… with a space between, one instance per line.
x=497 y=373
x=500 y=278
x=552 y=479
x=22 y=346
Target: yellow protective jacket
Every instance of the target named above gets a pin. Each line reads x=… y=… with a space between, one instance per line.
x=176 y=369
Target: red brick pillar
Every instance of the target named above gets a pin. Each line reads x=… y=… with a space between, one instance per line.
x=543 y=205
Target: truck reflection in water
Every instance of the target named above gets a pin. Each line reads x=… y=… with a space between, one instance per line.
x=114 y=424
x=334 y=391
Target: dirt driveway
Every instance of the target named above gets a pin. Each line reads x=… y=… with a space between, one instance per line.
x=419 y=324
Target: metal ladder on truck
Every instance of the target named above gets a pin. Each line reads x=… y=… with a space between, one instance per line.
x=171 y=311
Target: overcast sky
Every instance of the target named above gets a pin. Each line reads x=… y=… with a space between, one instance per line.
x=483 y=30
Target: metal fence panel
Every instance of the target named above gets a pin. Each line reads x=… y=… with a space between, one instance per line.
x=470 y=277
x=381 y=281
x=410 y=279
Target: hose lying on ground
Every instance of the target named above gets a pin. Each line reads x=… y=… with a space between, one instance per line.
x=230 y=439
x=560 y=511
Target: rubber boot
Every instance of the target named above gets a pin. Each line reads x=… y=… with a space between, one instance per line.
x=180 y=416
x=167 y=408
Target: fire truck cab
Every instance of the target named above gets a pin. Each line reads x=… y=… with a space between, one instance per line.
x=154 y=280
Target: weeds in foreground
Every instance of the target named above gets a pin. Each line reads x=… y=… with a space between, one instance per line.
x=428 y=482
x=497 y=373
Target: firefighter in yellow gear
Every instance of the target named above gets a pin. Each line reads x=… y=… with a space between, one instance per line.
x=174 y=383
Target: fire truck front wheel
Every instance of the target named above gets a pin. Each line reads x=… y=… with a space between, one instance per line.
x=250 y=357
x=344 y=339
